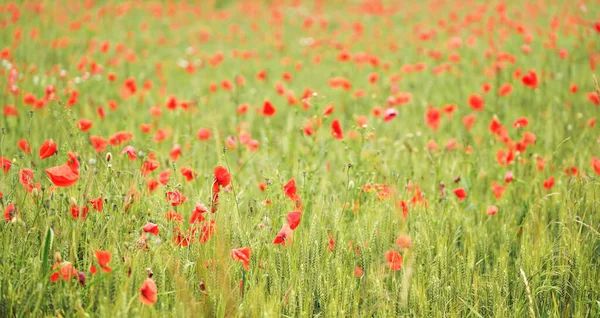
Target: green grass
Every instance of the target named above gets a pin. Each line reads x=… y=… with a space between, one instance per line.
x=537 y=257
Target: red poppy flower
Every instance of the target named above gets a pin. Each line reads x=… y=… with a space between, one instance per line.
x=65 y=175
x=293 y=219
x=594 y=98
x=97 y=203
x=98 y=143
x=460 y=193
x=521 y=122
x=175 y=152
x=151 y=228
x=103 y=258
x=468 y=121
x=394 y=260
x=222 y=178
x=358 y=271
x=130 y=151
x=148 y=292
x=492 y=209
x=26 y=177
x=336 y=129
x=10 y=111
x=498 y=190
x=149 y=166
x=242 y=255
x=268 y=109
x=6 y=164
x=198 y=213
x=207 y=231
x=476 y=102
x=79 y=212
x=163 y=177
x=505 y=89
x=47 y=149
x=495 y=127
x=84 y=124
x=548 y=183
x=530 y=79
x=284 y=237
x=9 y=212
x=64 y=271
x=24 y=146
x=290 y=189
x=390 y=114
x=175 y=198
x=433 y=118
x=508 y=177
x=120 y=137
x=173 y=216
x=189 y=174
x=404 y=241
x=596 y=165
x=331 y=244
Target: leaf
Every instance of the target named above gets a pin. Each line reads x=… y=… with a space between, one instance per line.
x=46 y=250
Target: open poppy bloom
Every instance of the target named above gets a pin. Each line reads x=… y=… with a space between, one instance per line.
x=148 y=292
x=222 y=178
x=293 y=219
x=103 y=258
x=242 y=255
x=6 y=164
x=460 y=193
x=284 y=237
x=268 y=109
x=24 y=146
x=596 y=165
x=130 y=151
x=198 y=213
x=336 y=130
x=189 y=174
x=331 y=244
x=62 y=270
x=394 y=260
x=9 y=212
x=207 y=231
x=492 y=209
x=79 y=212
x=151 y=228
x=358 y=271
x=97 y=203
x=290 y=189
x=549 y=183
x=48 y=149
x=175 y=198
x=65 y=175
x=403 y=241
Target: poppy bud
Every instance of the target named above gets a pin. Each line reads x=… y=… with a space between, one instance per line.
x=81 y=277
x=108 y=156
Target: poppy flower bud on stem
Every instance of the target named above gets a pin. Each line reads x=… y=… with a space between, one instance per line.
x=108 y=156
x=81 y=276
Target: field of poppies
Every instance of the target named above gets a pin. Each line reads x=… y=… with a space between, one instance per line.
x=300 y=158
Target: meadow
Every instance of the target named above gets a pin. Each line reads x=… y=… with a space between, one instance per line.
x=295 y=158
